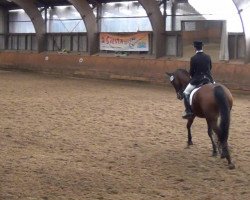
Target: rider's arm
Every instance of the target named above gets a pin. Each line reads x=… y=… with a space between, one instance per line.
x=192 y=68
x=210 y=63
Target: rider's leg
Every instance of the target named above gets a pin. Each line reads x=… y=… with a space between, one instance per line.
x=188 y=111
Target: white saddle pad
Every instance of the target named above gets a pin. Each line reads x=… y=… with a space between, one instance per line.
x=192 y=94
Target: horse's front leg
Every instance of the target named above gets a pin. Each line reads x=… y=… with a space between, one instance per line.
x=189 y=124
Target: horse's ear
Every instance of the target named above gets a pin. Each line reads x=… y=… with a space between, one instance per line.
x=169 y=74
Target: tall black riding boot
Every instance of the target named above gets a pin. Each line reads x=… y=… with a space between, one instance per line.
x=188 y=111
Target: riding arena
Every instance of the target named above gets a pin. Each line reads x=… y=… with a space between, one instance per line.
x=91 y=101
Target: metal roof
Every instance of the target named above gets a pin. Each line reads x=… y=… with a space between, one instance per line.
x=9 y=4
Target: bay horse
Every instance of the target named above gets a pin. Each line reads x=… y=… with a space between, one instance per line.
x=212 y=102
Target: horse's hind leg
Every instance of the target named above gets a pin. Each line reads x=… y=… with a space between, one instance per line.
x=210 y=134
x=226 y=154
x=223 y=148
x=216 y=130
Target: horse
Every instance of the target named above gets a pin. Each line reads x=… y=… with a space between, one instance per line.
x=213 y=101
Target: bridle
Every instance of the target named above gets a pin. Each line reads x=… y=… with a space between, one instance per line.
x=180 y=91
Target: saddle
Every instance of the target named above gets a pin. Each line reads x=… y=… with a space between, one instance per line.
x=203 y=82
x=192 y=94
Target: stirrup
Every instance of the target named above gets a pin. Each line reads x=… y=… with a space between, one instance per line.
x=187 y=115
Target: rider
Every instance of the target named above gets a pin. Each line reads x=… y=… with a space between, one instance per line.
x=200 y=72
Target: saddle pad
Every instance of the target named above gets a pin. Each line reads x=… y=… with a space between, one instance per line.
x=192 y=94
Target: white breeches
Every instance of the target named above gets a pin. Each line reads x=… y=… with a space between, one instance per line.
x=189 y=89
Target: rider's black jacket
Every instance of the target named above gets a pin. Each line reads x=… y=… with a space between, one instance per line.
x=200 y=68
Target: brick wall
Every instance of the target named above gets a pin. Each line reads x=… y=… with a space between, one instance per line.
x=235 y=76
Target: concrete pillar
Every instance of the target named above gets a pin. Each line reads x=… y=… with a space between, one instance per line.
x=82 y=6
x=173 y=19
x=4 y=27
x=3 y=21
x=32 y=11
x=157 y=22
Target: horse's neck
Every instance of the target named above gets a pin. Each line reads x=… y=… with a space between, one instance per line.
x=184 y=78
x=185 y=82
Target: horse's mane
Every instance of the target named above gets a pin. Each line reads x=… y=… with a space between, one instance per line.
x=183 y=71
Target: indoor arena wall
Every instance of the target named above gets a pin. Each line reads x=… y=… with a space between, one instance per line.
x=234 y=75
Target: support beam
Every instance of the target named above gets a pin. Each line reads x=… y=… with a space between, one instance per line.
x=157 y=22
x=243 y=8
x=30 y=8
x=83 y=7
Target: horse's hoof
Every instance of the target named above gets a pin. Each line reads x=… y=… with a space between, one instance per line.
x=231 y=166
x=214 y=154
x=222 y=156
x=190 y=143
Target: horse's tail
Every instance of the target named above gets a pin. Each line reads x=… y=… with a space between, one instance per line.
x=224 y=108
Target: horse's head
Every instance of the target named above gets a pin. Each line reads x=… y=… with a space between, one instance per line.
x=179 y=79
